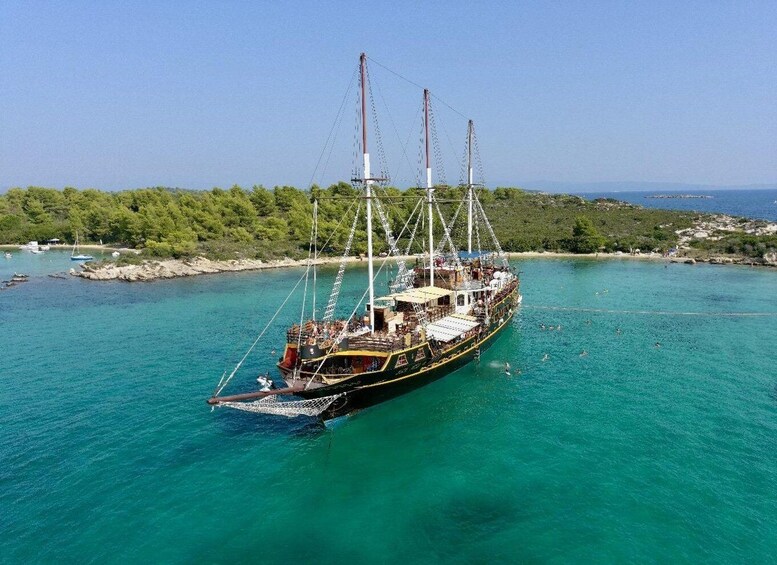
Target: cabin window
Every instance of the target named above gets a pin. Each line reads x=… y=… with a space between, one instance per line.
x=460 y=300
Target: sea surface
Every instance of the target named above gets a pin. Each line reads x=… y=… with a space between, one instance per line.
x=756 y=204
x=649 y=433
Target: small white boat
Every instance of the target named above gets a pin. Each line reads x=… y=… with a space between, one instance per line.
x=45 y=247
x=265 y=383
x=76 y=254
x=36 y=250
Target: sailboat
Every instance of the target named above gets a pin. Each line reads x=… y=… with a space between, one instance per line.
x=441 y=315
x=76 y=254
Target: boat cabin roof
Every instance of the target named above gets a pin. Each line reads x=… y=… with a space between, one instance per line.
x=420 y=295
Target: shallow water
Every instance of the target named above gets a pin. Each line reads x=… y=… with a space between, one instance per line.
x=631 y=452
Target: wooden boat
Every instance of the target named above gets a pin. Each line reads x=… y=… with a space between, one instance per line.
x=442 y=313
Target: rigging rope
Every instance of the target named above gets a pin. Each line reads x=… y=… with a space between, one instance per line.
x=332 y=304
x=336 y=124
x=478 y=160
x=382 y=161
x=436 y=149
x=498 y=249
x=220 y=386
x=421 y=316
x=222 y=382
x=404 y=277
x=476 y=223
x=307 y=272
x=342 y=333
x=464 y=173
x=451 y=227
x=447 y=237
x=315 y=253
x=396 y=132
x=415 y=226
x=417 y=86
x=448 y=137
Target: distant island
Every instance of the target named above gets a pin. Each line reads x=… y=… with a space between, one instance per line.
x=678 y=196
x=271 y=227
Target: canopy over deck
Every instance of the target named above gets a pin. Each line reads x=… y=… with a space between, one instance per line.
x=450 y=327
x=420 y=295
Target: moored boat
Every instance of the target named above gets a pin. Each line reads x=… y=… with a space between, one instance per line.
x=76 y=254
x=440 y=315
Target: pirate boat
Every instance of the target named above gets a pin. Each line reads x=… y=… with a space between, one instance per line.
x=440 y=314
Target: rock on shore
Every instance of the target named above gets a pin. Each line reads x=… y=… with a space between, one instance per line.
x=172 y=268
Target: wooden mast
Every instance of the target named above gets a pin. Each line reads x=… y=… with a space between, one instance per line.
x=469 y=186
x=429 y=189
x=367 y=189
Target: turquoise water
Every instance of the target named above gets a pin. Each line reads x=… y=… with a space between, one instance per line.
x=630 y=453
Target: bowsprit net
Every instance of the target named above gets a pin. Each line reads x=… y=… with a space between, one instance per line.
x=271 y=405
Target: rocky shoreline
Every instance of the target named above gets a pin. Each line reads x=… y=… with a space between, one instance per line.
x=173 y=268
x=711 y=227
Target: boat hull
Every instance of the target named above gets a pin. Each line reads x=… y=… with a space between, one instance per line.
x=362 y=393
x=365 y=397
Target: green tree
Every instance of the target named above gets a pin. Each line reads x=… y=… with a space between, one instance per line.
x=263 y=200
x=35 y=212
x=585 y=237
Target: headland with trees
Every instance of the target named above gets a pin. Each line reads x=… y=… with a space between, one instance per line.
x=266 y=224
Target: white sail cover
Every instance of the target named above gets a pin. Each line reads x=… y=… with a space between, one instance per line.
x=450 y=327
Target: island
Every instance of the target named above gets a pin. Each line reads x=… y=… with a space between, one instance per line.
x=174 y=232
x=683 y=196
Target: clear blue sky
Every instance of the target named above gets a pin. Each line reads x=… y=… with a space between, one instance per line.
x=115 y=95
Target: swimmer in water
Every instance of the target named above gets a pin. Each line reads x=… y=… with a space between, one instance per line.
x=658 y=344
x=546 y=357
x=618 y=331
x=583 y=353
x=507 y=368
